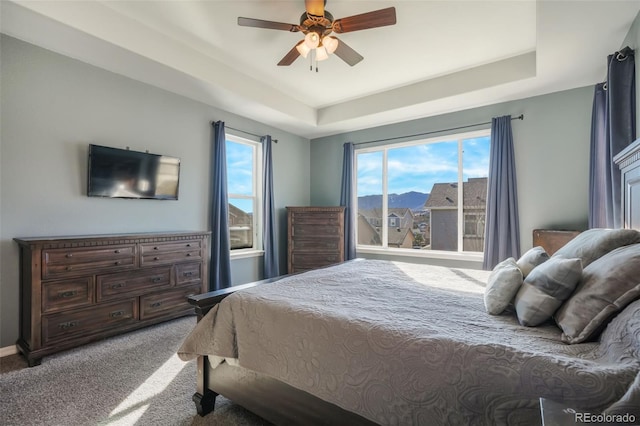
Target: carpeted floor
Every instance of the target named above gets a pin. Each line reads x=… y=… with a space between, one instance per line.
x=133 y=379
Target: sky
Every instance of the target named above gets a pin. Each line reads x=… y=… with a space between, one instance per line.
x=418 y=167
x=240 y=174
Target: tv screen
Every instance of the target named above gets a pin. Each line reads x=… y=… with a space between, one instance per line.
x=121 y=173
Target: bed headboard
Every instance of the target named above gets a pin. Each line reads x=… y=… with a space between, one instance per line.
x=629 y=162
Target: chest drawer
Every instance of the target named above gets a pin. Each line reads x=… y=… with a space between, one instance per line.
x=317 y=218
x=85 y=321
x=168 y=301
x=72 y=293
x=73 y=261
x=131 y=283
x=316 y=245
x=305 y=261
x=188 y=273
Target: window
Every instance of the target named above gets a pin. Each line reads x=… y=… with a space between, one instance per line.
x=416 y=187
x=243 y=185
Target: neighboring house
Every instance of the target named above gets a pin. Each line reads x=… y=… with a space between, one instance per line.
x=400 y=221
x=367 y=234
x=240 y=228
x=397 y=217
x=401 y=238
x=443 y=203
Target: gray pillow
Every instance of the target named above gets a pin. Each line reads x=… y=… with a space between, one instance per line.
x=607 y=286
x=532 y=258
x=503 y=284
x=545 y=288
x=595 y=243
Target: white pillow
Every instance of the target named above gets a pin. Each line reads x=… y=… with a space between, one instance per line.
x=532 y=258
x=502 y=286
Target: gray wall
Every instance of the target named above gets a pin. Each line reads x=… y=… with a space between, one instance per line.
x=633 y=41
x=53 y=107
x=551 y=148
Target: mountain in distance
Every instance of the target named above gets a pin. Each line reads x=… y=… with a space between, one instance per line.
x=412 y=200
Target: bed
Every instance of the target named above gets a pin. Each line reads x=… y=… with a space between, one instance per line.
x=381 y=342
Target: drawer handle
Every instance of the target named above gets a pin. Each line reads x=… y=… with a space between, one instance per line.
x=187 y=274
x=188 y=254
x=116 y=314
x=116 y=251
x=67 y=325
x=68 y=268
x=156 y=304
x=156 y=248
x=65 y=294
x=117 y=262
x=188 y=245
x=117 y=285
x=69 y=255
x=156 y=258
x=156 y=279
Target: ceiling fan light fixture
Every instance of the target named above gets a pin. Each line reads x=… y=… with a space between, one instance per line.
x=312 y=39
x=321 y=53
x=330 y=43
x=303 y=49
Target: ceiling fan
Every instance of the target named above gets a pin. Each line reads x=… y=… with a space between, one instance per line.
x=317 y=24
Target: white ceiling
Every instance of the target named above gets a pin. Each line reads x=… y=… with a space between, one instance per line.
x=441 y=56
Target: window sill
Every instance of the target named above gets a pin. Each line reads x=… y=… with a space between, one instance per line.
x=428 y=254
x=246 y=253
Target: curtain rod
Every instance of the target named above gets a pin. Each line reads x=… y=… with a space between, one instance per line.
x=244 y=131
x=520 y=117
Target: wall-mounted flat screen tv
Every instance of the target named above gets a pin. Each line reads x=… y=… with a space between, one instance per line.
x=122 y=173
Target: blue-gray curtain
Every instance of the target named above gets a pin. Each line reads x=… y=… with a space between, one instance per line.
x=600 y=196
x=502 y=234
x=269 y=239
x=220 y=267
x=348 y=200
x=613 y=128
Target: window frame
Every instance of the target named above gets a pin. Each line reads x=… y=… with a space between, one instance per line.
x=460 y=254
x=257 y=196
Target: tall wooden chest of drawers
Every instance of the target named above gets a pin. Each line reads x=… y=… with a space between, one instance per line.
x=315 y=237
x=74 y=290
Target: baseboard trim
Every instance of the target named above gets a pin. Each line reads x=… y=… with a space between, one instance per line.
x=9 y=350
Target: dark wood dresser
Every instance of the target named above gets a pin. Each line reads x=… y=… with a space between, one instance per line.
x=316 y=237
x=551 y=240
x=78 y=289
x=629 y=162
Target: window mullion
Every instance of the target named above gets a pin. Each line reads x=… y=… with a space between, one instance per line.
x=385 y=201
x=460 y=199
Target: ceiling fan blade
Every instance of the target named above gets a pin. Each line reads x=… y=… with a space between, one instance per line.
x=270 y=25
x=347 y=54
x=315 y=7
x=364 y=21
x=291 y=56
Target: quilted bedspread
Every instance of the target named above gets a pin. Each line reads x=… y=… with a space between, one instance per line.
x=409 y=344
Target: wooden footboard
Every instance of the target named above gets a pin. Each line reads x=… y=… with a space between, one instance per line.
x=265 y=396
x=205 y=398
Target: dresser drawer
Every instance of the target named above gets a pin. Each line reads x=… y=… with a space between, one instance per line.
x=189 y=245
x=73 y=261
x=86 y=321
x=161 y=304
x=127 y=284
x=188 y=273
x=72 y=293
x=165 y=253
